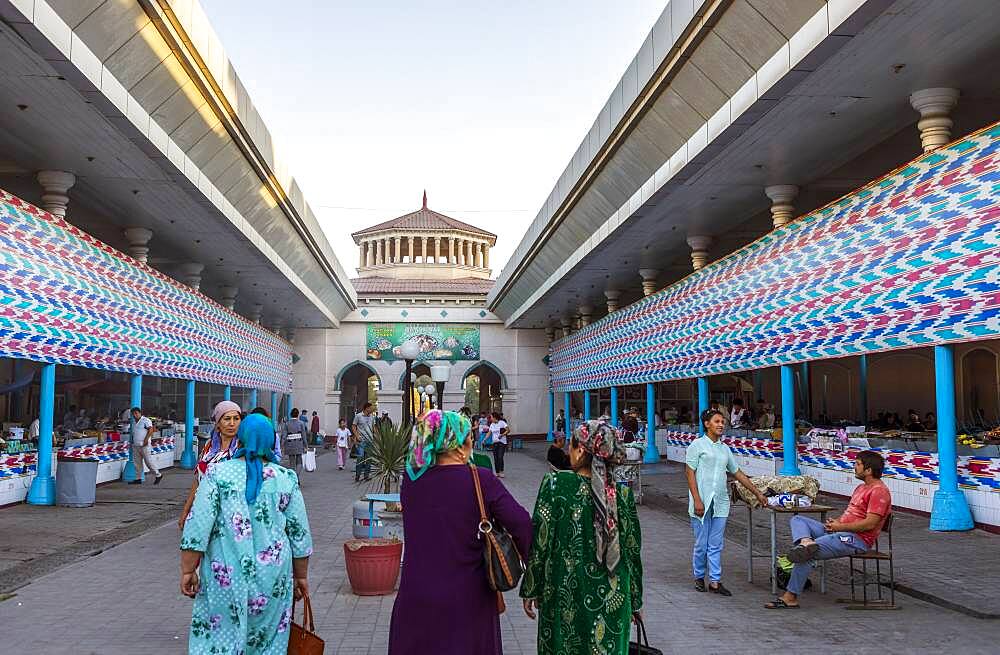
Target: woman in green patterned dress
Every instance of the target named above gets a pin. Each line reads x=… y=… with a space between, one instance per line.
x=584 y=576
x=245 y=550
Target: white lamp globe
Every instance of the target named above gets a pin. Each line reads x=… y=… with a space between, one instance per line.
x=430 y=389
x=409 y=349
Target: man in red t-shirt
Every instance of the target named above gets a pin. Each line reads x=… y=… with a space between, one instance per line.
x=854 y=532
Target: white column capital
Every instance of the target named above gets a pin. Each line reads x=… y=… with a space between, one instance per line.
x=228 y=295
x=191 y=274
x=586 y=312
x=648 y=276
x=782 y=209
x=934 y=106
x=550 y=334
x=612 y=295
x=255 y=313
x=567 y=326
x=55 y=185
x=699 y=250
x=138 y=242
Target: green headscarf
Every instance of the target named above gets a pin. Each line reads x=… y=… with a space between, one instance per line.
x=436 y=432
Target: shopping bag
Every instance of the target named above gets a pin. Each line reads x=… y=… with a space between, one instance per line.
x=309 y=460
x=302 y=639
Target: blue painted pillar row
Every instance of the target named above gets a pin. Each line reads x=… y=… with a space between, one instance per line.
x=950 y=511
x=863 y=391
x=806 y=392
x=790 y=466
x=43 y=487
x=568 y=405
x=288 y=405
x=614 y=406
x=586 y=405
x=652 y=452
x=552 y=416
x=189 y=458
x=702 y=404
x=252 y=402
x=227 y=393
x=131 y=473
x=274 y=407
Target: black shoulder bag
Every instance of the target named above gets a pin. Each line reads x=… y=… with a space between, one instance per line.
x=504 y=567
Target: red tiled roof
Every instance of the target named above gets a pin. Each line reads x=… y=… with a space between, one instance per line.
x=425 y=219
x=381 y=285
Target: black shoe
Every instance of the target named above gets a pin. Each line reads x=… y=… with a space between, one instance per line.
x=157 y=480
x=800 y=554
x=699 y=585
x=136 y=482
x=719 y=589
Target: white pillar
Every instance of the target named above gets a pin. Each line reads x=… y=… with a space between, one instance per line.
x=437 y=249
x=782 y=209
x=138 y=242
x=648 y=276
x=486 y=255
x=228 y=295
x=361 y=255
x=423 y=250
x=191 y=274
x=699 y=250
x=378 y=252
x=396 y=251
x=613 y=295
x=586 y=313
x=470 y=256
x=55 y=185
x=567 y=326
x=934 y=106
x=480 y=257
x=255 y=313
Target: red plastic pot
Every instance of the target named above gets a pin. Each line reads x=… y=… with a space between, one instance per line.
x=373 y=565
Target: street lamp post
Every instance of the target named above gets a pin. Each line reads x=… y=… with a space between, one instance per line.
x=409 y=350
x=430 y=390
x=440 y=372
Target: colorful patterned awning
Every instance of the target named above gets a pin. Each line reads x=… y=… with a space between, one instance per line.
x=67 y=298
x=909 y=260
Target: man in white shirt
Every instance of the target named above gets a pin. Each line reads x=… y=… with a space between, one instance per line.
x=142 y=432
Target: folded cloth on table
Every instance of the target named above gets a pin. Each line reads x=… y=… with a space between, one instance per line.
x=789 y=500
x=773 y=485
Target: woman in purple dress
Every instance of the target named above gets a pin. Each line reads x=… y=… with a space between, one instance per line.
x=445 y=605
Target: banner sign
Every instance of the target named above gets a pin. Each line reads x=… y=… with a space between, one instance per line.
x=446 y=342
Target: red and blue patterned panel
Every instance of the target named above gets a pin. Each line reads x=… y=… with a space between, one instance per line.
x=909 y=260
x=67 y=298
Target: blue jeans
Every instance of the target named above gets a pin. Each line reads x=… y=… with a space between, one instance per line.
x=708 y=540
x=831 y=545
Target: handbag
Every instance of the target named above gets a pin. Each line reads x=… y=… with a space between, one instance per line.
x=641 y=644
x=309 y=460
x=302 y=639
x=504 y=567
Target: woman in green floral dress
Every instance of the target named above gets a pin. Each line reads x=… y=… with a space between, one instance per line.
x=584 y=576
x=245 y=550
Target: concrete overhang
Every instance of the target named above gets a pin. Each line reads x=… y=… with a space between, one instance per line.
x=138 y=99
x=723 y=99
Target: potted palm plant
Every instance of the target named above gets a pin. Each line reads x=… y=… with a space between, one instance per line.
x=373 y=564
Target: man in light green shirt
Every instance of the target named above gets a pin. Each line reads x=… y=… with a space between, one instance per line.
x=709 y=460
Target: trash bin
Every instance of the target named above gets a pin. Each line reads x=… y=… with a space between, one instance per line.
x=76 y=482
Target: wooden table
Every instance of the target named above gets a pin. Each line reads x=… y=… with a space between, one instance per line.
x=371 y=500
x=822 y=510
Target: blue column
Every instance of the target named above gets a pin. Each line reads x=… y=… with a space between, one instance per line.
x=806 y=392
x=274 y=407
x=288 y=406
x=614 y=406
x=652 y=453
x=43 y=487
x=567 y=401
x=758 y=385
x=252 y=402
x=552 y=416
x=791 y=463
x=189 y=458
x=950 y=510
x=702 y=404
x=863 y=391
x=130 y=473
x=586 y=405
x=227 y=393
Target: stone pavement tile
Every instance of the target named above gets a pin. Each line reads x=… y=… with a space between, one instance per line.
x=679 y=619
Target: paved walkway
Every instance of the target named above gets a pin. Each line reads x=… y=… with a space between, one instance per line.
x=125 y=599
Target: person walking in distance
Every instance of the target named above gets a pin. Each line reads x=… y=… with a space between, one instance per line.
x=142 y=432
x=314 y=426
x=292 y=442
x=343 y=443
x=363 y=429
x=498 y=437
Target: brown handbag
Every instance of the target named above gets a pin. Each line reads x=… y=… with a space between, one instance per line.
x=504 y=567
x=302 y=639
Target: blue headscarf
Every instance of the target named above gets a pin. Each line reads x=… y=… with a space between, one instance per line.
x=256 y=437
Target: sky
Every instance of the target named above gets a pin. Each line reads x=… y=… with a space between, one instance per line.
x=480 y=103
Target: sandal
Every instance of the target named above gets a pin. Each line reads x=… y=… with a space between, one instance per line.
x=779 y=604
x=699 y=585
x=800 y=554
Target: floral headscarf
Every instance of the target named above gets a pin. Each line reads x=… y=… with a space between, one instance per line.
x=437 y=432
x=602 y=441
